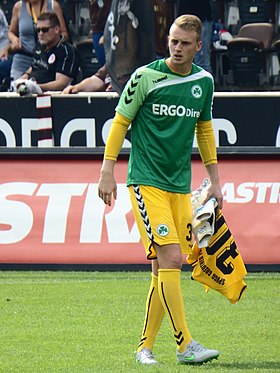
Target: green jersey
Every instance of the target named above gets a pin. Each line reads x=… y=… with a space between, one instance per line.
x=164 y=108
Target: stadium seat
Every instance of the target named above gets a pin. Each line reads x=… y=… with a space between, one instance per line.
x=253 y=11
x=263 y=32
x=250 y=55
x=88 y=60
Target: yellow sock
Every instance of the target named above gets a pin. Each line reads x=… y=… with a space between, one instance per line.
x=153 y=317
x=171 y=297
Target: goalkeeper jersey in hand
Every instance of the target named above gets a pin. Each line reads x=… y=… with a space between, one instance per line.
x=219 y=265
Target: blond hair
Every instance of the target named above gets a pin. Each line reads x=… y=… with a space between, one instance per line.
x=189 y=22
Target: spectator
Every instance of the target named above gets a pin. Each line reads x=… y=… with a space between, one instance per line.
x=55 y=61
x=163 y=17
x=202 y=9
x=99 y=11
x=5 y=59
x=99 y=82
x=67 y=10
x=22 y=33
x=129 y=40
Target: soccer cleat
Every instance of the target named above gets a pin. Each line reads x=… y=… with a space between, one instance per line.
x=145 y=356
x=195 y=353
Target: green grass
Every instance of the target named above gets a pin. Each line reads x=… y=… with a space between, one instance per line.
x=91 y=322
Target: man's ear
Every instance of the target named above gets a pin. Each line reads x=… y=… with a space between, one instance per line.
x=198 y=46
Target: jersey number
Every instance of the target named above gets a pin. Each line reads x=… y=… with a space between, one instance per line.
x=229 y=252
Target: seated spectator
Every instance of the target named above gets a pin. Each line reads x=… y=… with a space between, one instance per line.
x=55 y=61
x=5 y=59
x=99 y=82
x=22 y=34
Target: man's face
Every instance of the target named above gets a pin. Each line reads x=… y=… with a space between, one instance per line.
x=47 y=34
x=183 y=45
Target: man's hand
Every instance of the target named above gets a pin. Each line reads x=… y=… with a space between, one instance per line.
x=214 y=191
x=107 y=186
x=70 y=89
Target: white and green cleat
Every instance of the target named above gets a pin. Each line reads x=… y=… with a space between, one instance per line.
x=195 y=353
x=145 y=356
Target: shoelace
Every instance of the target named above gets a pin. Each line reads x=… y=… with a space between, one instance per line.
x=149 y=353
x=197 y=347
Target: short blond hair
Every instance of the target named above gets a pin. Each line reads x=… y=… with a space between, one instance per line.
x=189 y=22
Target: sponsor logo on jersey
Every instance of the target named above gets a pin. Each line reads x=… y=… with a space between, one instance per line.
x=196 y=91
x=174 y=110
x=162 y=230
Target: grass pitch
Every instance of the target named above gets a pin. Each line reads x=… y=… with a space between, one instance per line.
x=91 y=322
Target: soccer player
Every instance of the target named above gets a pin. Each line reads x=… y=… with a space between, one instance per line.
x=165 y=102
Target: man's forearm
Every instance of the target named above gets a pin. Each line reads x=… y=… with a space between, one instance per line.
x=108 y=166
x=212 y=170
x=215 y=188
x=52 y=86
x=61 y=81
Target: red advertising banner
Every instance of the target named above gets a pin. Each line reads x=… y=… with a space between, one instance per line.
x=50 y=212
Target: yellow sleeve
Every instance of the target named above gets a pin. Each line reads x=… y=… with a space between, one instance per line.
x=116 y=136
x=206 y=142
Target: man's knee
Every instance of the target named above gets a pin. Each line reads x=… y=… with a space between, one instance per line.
x=169 y=256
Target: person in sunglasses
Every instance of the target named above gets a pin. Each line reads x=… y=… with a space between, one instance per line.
x=55 y=61
x=22 y=35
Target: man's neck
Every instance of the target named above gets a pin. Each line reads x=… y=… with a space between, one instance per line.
x=179 y=69
x=54 y=43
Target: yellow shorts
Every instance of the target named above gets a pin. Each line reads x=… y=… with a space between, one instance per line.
x=162 y=217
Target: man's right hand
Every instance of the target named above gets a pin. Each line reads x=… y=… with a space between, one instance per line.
x=107 y=186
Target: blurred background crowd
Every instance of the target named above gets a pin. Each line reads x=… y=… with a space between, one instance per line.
x=113 y=37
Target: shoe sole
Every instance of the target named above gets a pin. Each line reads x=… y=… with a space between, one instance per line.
x=198 y=363
x=140 y=362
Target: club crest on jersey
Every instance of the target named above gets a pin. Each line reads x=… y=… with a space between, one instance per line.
x=196 y=91
x=51 y=59
x=162 y=230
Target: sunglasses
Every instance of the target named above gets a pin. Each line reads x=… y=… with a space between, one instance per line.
x=43 y=29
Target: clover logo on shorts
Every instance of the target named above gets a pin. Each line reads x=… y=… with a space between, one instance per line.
x=162 y=230
x=196 y=91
